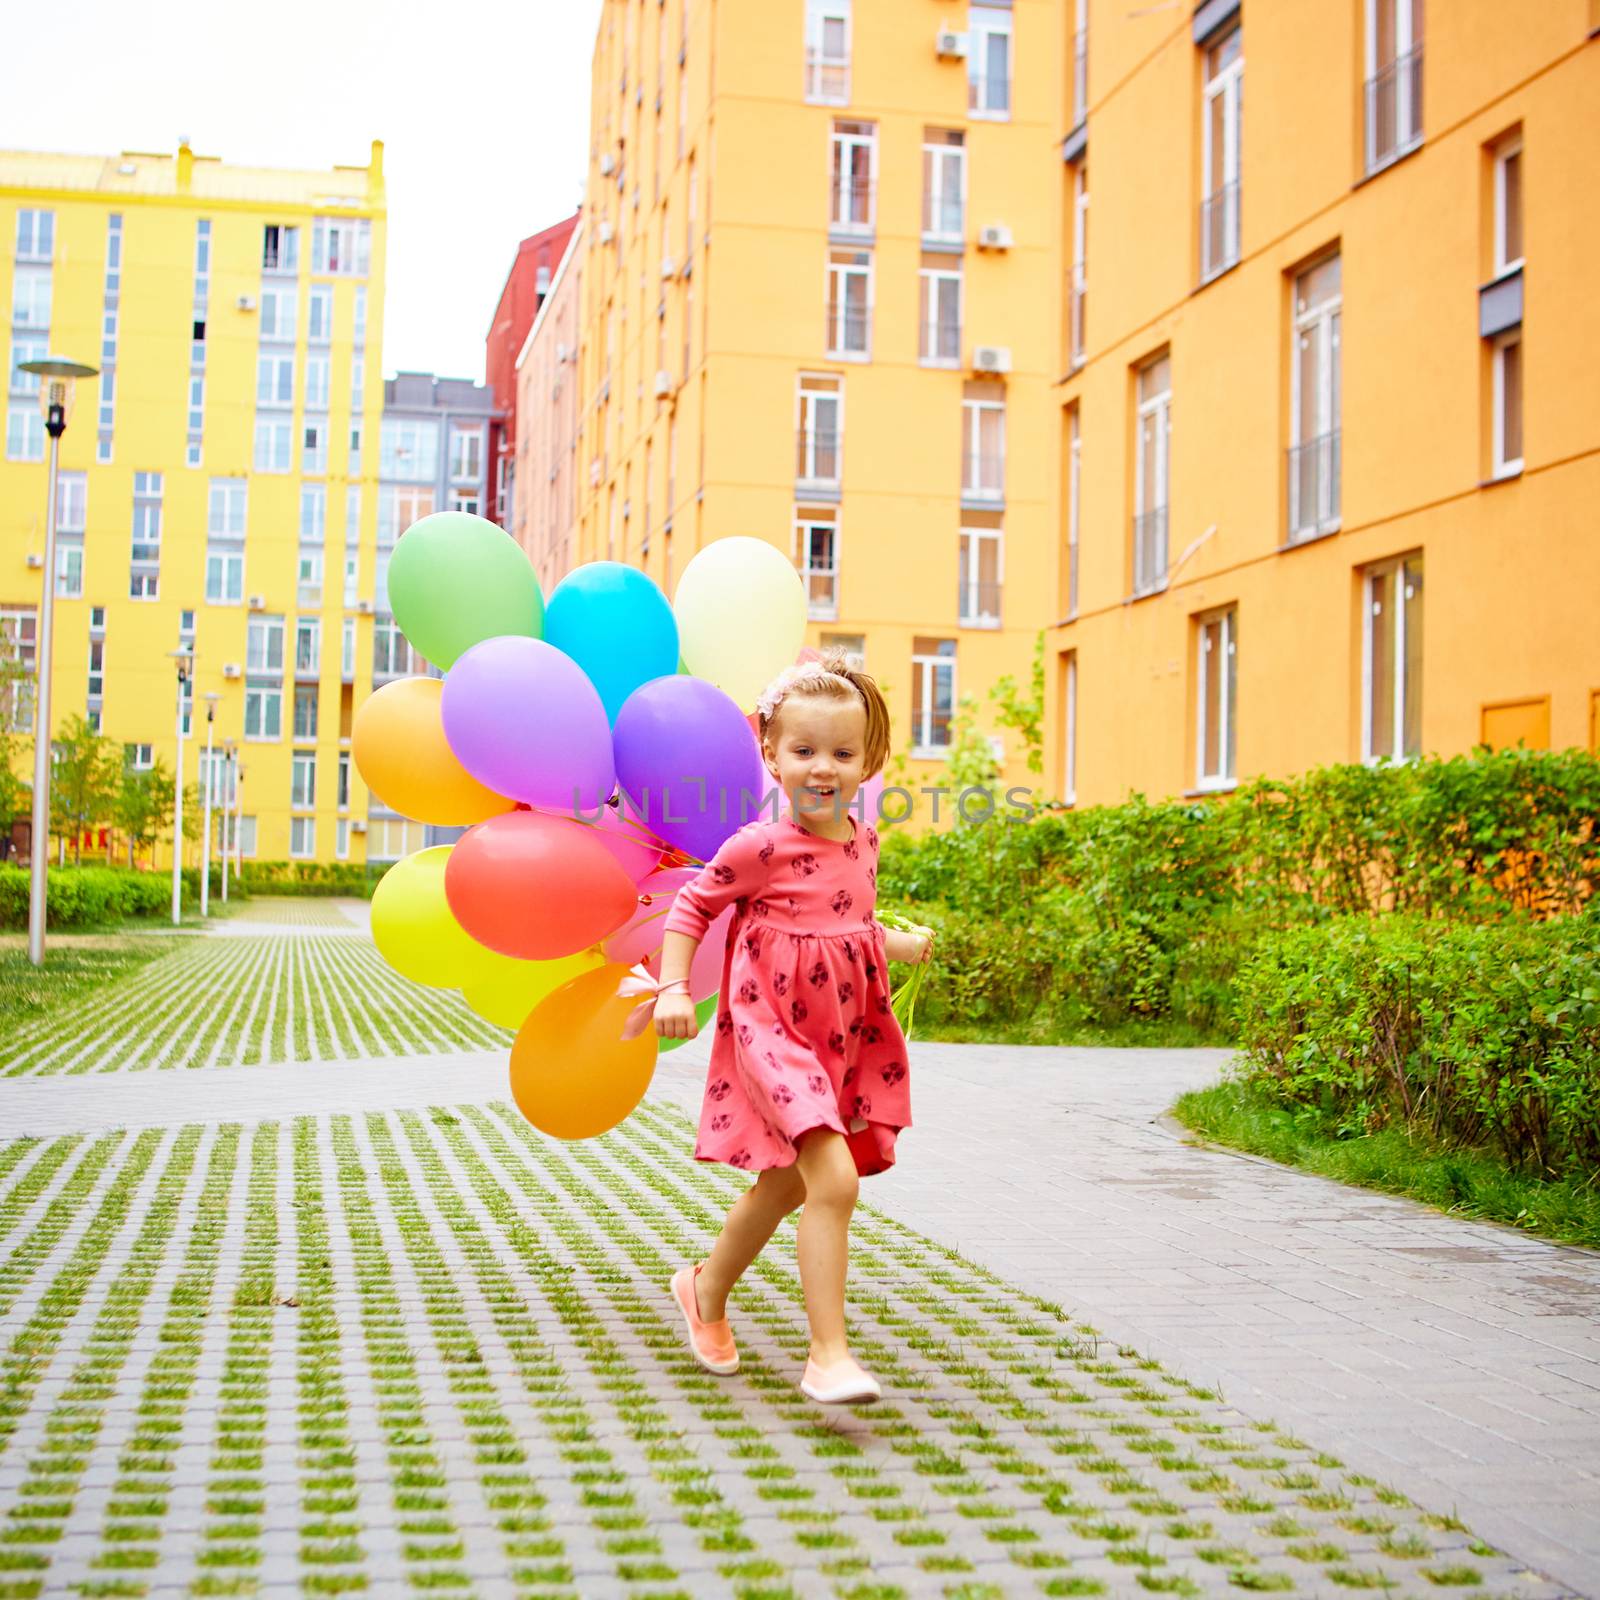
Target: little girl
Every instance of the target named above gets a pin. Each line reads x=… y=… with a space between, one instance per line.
x=808 y=1084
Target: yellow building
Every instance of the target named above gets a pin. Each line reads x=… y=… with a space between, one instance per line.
x=218 y=478
x=820 y=305
x=1329 y=443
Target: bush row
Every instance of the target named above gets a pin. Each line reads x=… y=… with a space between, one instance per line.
x=81 y=897
x=312 y=877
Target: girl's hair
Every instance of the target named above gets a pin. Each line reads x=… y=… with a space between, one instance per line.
x=831 y=678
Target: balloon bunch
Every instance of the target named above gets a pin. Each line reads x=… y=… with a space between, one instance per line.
x=597 y=747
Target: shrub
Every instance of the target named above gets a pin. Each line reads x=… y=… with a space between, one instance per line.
x=312 y=877
x=1479 y=1034
x=80 y=897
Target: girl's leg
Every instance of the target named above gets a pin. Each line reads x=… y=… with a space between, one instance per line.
x=752 y=1221
x=828 y=1171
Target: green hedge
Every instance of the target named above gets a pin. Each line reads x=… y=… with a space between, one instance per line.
x=1483 y=1035
x=81 y=897
x=312 y=877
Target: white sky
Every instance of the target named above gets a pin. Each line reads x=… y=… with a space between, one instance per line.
x=483 y=108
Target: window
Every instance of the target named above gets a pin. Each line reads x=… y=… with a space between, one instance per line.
x=1314 y=453
x=388 y=648
x=940 y=317
x=1069 y=732
x=264 y=645
x=352 y=579
x=944 y=184
x=278 y=314
x=1392 y=660
x=855 y=164
x=466 y=454
x=138 y=757
x=358 y=385
x=983 y=451
x=226 y=512
x=849 y=303
x=827 y=51
x=933 y=694
x=1508 y=206
x=409 y=449
x=821 y=403
x=1506 y=364
x=263 y=710
x=980 y=577
x=1217 y=702
x=97 y=670
x=317 y=382
x=1154 y=445
x=853 y=645
x=18 y=651
x=341 y=839
x=280 y=249
x=274 y=443
x=305 y=712
x=1394 y=80
x=1219 y=210
x=344 y=780
x=224 y=576
x=313 y=513
x=319 y=313
x=361 y=314
x=466 y=500
x=391 y=838
x=340 y=245
x=1077 y=295
x=989 y=63
x=245 y=836
x=308 y=646
x=303 y=779
x=26 y=347
x=24 y=434
x=35 y=235
x=1074 y=504
x=72 y=501
x=1080 y=63
x=30 y=298
x=302 y=837
x=315 y=436
x=347 y=648
x=817 y=535
x=308 y=577
x=398 y=508
x=144 y=572
x=69 y=571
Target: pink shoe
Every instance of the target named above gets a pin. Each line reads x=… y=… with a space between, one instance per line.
x=845 y=1383
x=711 y=1342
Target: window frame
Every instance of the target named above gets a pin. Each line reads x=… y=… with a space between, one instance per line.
x=1225 y=620
x=934 y=199
x=969 y=567
x=925 y=668
x=839 y=274
x=1401 y=568
x=1227 y=84
x=1507 y=150
x=1156 y=408
x=973 y=487
x=930 y=280
x=1503 y=466
x=818 y=64
x=985 y=23
x=807 y=430
x=805 y=524
x=843 y=143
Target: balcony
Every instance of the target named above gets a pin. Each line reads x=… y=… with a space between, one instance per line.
x=978 y=604
x=816 y=469
x=1219 y=231
x=1394 y=110
x=1314 y=487
x=1077 y=302
x=1150 y=551
x=983 y=479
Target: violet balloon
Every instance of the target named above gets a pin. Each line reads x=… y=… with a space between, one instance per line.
x=686 y=753
x=523 y=711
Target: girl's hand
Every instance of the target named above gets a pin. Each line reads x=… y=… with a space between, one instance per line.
x=675 y=1018
x=924 y=948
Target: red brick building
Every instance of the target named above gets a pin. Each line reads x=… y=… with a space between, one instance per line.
x=526 y=286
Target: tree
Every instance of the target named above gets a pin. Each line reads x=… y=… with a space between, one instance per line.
x=15 y=791
x=83 y=781
x=143 y=808
x=971 y=763
x=1025 y=715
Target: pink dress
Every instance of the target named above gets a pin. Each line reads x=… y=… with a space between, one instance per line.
x=804 y=1035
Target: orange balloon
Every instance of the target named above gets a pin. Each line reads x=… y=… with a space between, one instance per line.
x=536 y=887
x=402 y=754
x=573 y=1075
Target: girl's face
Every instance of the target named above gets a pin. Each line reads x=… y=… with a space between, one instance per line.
x=816 y=752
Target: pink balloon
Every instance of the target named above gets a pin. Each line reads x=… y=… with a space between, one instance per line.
x=705 y=971
x=637 y=849
x=642 y=933
x=869 y=799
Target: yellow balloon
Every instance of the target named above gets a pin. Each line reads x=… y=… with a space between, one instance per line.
x=503 y=990
x=412 y=925
x=741 y=611
x=573 y=1075
x=404 y=758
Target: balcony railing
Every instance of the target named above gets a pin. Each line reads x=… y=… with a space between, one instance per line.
x=848 y=331
x=1080 y=77
x=930 y=730
x=822 y=593
x=1219 y=231
x=1314 y=486
x=979 y=605
x=852 y=205
x=827 y=77
x=1077 y=304
x=941 y=340
x=983 y=476
x=1394 y=110
x=817 y=457
x=942 y=217
x=1150 y=551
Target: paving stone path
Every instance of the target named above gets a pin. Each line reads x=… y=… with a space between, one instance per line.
x=308 y=1331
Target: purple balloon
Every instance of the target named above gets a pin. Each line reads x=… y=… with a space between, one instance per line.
x=523 y=719
x=687 y=757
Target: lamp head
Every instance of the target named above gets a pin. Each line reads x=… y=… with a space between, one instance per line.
x=184 y=656
x=55 y=392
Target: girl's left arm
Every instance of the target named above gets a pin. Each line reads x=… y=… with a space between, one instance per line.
x=909 y=947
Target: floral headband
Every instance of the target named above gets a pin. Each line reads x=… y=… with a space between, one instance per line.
x=808 y=675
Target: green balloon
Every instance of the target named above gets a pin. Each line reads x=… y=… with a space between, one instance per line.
x=702 y=1014
x=455 y=580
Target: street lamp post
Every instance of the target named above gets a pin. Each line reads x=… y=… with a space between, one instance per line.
x=205 y=852
x=227 y=810
x=238 y=821
x=57 y=375
x=184 y=656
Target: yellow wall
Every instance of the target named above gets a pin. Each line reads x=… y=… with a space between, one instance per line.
x=759 y=287
x=1512 y=568
x=159 y=215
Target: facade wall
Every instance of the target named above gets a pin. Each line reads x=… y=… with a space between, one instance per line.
x=1505 y=565
x=257 y=444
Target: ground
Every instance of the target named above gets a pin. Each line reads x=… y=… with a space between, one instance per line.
x=342 y=1320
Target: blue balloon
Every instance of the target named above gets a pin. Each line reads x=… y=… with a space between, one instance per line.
x=617 y=625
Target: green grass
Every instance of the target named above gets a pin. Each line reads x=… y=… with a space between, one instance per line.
x=1163 y=1033
x=1465 y=1183
x=70 y=972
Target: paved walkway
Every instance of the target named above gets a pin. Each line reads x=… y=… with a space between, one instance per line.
x=310 y=1327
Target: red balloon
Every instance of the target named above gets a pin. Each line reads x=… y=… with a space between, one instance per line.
x=536 y=887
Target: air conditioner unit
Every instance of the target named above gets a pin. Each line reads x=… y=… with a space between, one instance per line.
x=991 y=358
x=605 y=233
x=950 y=45
x=663 y=386
x=669 y=267
x=364 y=607
x=246 y=302
x=997 y=236
x=358 y=825
x=258 y=602
x=232 y=669
x=608 y=164
x=35 y=562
